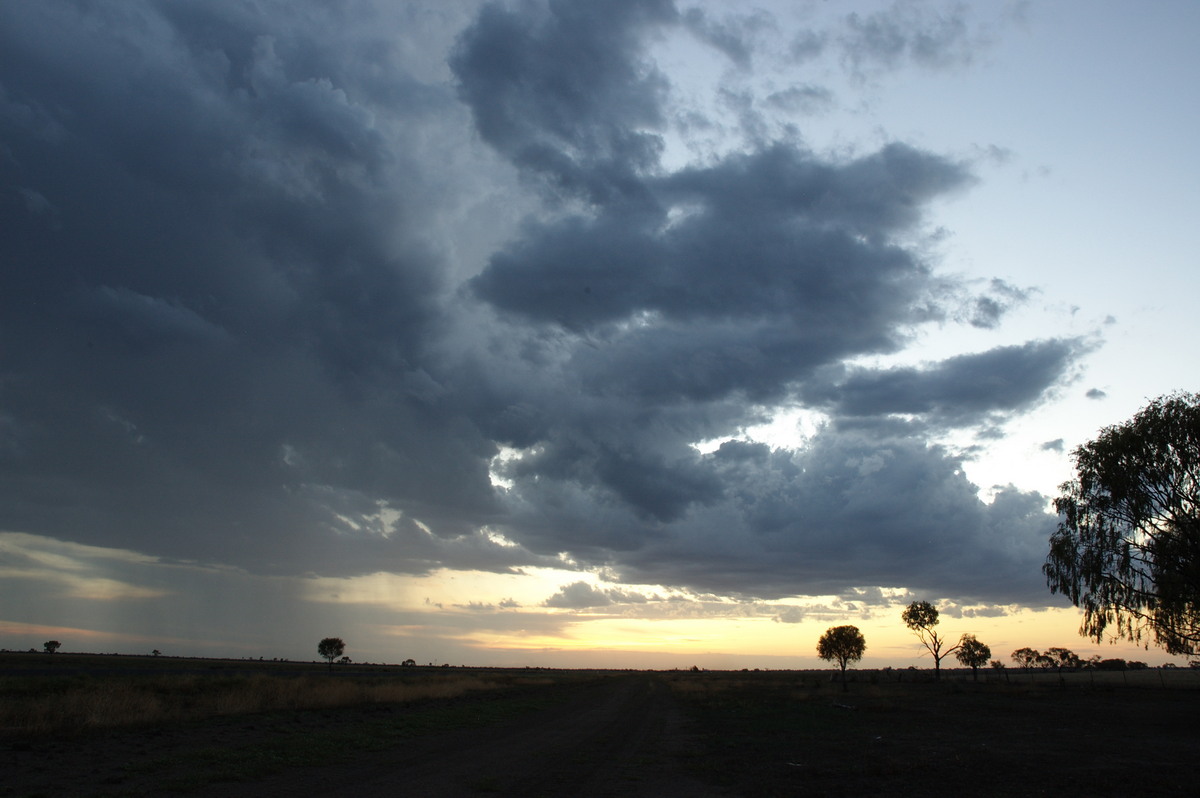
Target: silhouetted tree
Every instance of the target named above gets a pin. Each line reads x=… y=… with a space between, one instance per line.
x=1063 y=658
x=843 y=644
x=50 y=646
x=331 y=648
x=973 y=654
x=1026 y=657
x=1127 y=547
x=921 y=617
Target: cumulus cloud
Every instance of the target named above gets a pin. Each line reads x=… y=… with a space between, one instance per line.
x=790 y=615
x=579 y=596
x=291 y=293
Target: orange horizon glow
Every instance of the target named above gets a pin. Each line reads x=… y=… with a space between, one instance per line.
x=482 y=618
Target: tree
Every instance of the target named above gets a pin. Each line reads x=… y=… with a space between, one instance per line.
x=842 y=644
x=973 y=654
x=921 y=617
x=50 y=646
x=1063 y=658
x=1127 y=547
x=1026 y=657
x=331 y=648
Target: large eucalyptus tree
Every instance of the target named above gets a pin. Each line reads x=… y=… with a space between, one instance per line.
x=1127 y=547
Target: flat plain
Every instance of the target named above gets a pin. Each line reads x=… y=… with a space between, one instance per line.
x=127 y=726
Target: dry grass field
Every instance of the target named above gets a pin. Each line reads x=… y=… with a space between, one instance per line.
x=58 y=705
x=901 y=733
x=118 y=726
x=56 y=694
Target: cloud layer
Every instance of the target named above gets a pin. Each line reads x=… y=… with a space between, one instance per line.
x=397 y=288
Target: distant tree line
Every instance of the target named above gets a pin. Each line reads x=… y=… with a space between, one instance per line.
x=1063 y=659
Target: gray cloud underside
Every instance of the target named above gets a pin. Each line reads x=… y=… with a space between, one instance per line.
x=960 y=390
x=237 y=327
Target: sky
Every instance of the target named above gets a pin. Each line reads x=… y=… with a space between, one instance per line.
x=620 y=333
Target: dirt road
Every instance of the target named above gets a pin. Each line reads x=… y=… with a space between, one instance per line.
x=618 y=737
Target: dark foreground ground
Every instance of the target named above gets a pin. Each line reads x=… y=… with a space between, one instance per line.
x=662 y=735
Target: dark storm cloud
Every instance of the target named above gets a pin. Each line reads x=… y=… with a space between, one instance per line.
x=852 y=510
x=961 y=390
x=565 y=90
x=237 y=327
x=777 y=262
x=148 y=321
x=215 y=349
x=743 y=279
